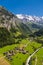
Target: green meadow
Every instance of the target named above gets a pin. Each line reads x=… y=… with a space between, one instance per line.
x=37 y=59
x=20 y=58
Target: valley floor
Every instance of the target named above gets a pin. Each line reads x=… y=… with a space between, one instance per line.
x=37 y=59
x=20 y=58
x=29 y=58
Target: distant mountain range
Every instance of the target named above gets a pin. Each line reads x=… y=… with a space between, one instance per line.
x=29 y=18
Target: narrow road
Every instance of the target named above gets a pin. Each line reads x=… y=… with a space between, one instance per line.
x=28 y=60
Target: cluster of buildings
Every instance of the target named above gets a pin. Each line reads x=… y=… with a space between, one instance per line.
x=16 y=50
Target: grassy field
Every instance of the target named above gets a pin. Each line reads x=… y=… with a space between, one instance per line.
x=37 y=59
x=20 y=58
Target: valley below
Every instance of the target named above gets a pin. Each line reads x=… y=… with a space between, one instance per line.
x=19 y=57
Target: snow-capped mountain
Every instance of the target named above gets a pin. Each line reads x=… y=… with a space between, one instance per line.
x=29 y=18
x=20 y=16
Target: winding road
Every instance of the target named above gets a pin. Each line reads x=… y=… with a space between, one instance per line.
x=28 y=60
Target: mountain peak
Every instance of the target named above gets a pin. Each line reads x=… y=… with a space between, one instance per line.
x=20 y=16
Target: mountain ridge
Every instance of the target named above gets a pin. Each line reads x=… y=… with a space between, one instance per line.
x=29 y=18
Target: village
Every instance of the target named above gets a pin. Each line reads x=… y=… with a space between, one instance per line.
x=11 y=53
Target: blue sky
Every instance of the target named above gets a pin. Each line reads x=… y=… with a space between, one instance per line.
x=30 y=7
